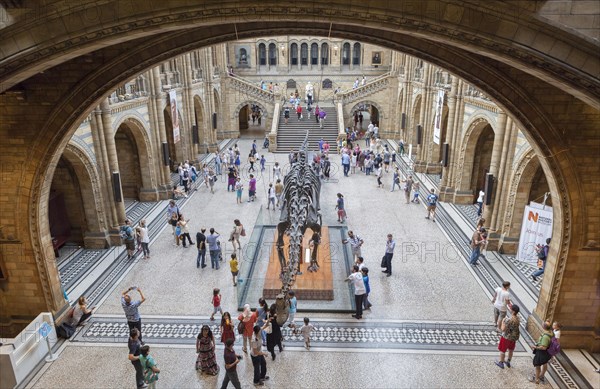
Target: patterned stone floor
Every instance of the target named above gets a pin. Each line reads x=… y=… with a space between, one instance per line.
x=328 y=333
x=430 y=325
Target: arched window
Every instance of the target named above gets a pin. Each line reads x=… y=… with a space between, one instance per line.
x=356 y=54
x=314 y=54
x=294 y=54
x=346 y=54
x=324 y=54
x=262 y=54
x=304 y=54
x=272 y=54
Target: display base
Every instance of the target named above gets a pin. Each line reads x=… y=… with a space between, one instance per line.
x=309 y=285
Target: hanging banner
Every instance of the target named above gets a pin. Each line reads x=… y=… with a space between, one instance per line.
x=437 y=123
x=536 y=228
x=174 y=115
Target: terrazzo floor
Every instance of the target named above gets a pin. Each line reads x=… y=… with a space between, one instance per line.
x=430 y=283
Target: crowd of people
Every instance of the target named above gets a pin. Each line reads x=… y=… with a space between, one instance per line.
x=258 y=330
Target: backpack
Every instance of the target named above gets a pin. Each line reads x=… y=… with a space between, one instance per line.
x=554 y=347
x=542 y=252
x=432 y=199
x=186 y=174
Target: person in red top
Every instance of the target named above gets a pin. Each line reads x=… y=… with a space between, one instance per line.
x=216 y=302
x=249 y=319
x=299 y=112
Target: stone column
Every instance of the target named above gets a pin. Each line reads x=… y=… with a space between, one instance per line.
x=158 y=97
x=458 y=128
x=111 y=153
x=188 y=101
x=420 y=162
x=103 y=168
x=495 y=163
x=450 y=130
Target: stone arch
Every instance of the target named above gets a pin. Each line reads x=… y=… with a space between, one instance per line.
x=519 y=195
x=416 y=114
x=83 y=164
x=496 y=72
x=469 y=180
x=378 y=116
x=145 y=155
x=236 y=118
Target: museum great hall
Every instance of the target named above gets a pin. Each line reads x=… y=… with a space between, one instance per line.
x=101 y=100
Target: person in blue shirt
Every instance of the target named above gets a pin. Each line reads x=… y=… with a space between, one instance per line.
x=432 y=200
x=365 y=274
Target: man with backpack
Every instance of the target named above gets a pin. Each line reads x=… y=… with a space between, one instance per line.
x=128 y=238
x=542 y=255
x=432 y=199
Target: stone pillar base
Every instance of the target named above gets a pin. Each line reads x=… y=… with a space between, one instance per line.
x=433 y=168
x=389 y=134
x=149 y=194
x=272 y=142
x=164 y=193
x=461 y=197
x=96 y=240
x=213 y=147
x=113 y=236
x=447 y=194
x=420 y=167
x=493 y=242
x=229 y=134
x=508 y=245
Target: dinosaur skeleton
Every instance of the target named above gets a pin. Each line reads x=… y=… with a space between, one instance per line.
x=300 y=210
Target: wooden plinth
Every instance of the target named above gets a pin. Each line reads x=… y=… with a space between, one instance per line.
x=310 y=285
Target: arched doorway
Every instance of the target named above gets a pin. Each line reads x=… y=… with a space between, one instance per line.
x=482 y=157
x=129 y=162
x=412 y=130
x=75 y=204
x=252 y=120
x=529 y=183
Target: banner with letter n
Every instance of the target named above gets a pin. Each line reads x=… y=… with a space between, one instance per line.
x=174 y=115
x=536 y=228
x=439 y=109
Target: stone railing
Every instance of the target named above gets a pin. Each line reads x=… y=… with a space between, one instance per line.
x=250 y=89
x=372 y=86
x=341 y=127
x=274 y=125
x=126 y=105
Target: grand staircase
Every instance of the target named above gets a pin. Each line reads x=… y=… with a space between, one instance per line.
x=290 y=136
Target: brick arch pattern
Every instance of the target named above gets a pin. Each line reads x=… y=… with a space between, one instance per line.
x=468 y=149
x=518 y=194
x=92 y=195
x=146 y=154
x=498 y=76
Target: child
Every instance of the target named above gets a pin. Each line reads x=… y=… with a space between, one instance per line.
x=233 y=266
x=365 y=274
x=252 y=188
x=556 y=329
x=293 y=306
x=138 y=238
x=378 y=172
x=360 y=261
x=239 y=188
x=305 y=330
x=262 y=163
x=416 y=193
x=216 y=302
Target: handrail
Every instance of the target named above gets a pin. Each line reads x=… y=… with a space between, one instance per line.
x=370 y=87
x=274 y=125
x=341 y=127
x=251 y=89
